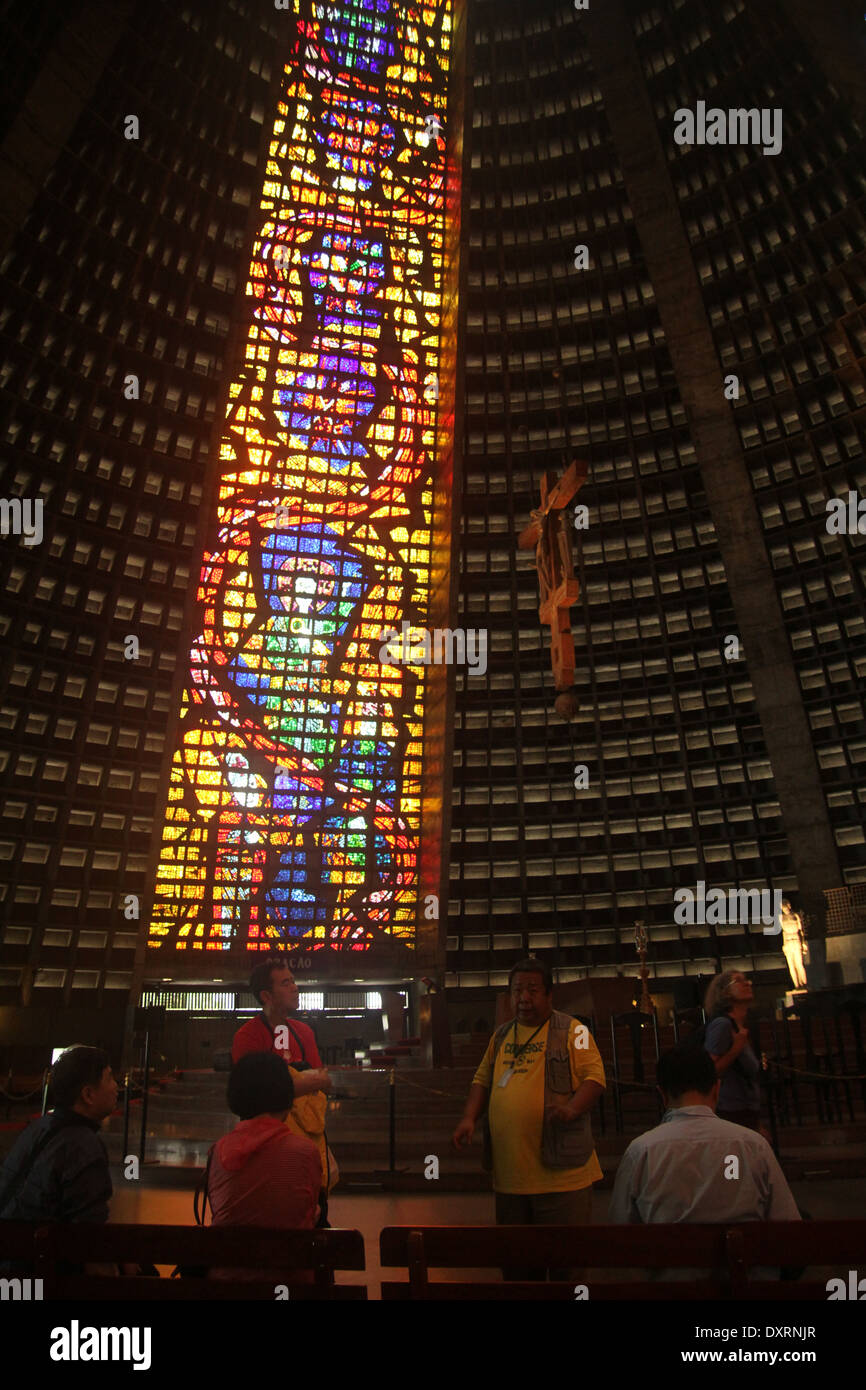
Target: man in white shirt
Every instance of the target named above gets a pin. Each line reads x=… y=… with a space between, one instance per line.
x=694 y=1166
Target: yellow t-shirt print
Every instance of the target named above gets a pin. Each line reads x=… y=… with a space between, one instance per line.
x=516 y=1110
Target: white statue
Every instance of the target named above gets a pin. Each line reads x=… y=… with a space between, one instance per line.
x=794 y=944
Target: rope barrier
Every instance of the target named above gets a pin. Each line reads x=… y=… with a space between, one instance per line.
x=460 y=1095
x=647 y=1086
x=24 y=1095
x=430 y=1090
x=818 y=1075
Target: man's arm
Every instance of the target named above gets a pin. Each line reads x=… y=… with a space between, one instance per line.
x=622 y=1209
x=476 y=1102
x=473 y=1108
x=16 y=1159
x=587 y=1075
x=85 y=1190
x=780 y=1205
x=477 y=1099
x=306 y=1082
x=583 y=1099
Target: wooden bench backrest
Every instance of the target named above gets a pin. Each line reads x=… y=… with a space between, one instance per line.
x=282 y=1257
x=731 y=1251
x=603 y=1247
x=255 y=1247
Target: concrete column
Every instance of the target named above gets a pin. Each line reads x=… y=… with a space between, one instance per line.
x=434 y=1030
x=392 y=1008
x=699 y=373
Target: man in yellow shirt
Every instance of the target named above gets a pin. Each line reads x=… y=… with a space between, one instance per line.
x=543 y=1074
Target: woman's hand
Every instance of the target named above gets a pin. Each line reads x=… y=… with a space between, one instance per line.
x=740 y=1040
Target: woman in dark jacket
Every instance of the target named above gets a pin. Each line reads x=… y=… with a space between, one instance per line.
x=727 y=1041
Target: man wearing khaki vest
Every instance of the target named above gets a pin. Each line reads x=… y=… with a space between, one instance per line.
x=543 y=1074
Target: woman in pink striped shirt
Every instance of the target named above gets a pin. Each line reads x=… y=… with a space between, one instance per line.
x=262 y=1174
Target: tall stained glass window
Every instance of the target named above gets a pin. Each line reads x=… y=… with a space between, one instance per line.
x=294 y=805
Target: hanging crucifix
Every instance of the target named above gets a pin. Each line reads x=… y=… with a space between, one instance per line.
x=550 y=533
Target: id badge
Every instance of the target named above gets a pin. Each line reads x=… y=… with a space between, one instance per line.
x=506 y=1077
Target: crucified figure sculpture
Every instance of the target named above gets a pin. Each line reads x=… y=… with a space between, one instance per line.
x=550 y=533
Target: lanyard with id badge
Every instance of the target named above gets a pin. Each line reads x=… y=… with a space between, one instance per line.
x=517 y=1054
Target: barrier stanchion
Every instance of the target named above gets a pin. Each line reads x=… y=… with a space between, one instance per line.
x=142 y=1139
x=127 y=1086
x=771 y=1109
x=392 y=1120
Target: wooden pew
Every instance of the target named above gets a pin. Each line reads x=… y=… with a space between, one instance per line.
x=277 y=1257
x=731 y=1252
x=836 y=1245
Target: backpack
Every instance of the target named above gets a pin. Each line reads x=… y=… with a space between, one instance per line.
x=307 y=1120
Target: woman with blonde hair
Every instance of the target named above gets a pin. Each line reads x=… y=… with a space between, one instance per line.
x=726 y=1039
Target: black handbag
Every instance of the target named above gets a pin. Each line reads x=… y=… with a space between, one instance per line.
x=200 y=1199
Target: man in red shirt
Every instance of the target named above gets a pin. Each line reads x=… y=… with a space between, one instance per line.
x=272 y=1031
x=273 y=984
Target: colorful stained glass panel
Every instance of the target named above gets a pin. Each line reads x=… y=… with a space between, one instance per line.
x=294 y=806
